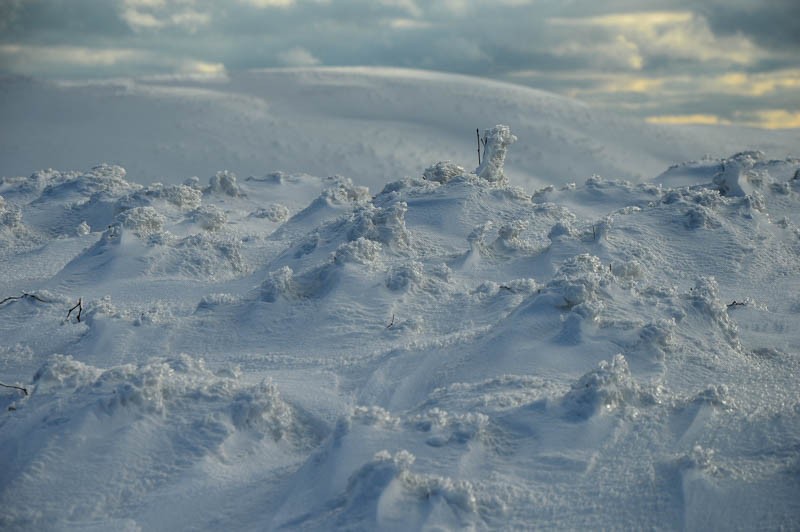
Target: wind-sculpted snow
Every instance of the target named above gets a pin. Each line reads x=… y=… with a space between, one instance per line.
x=108 y=438
x=450 y=353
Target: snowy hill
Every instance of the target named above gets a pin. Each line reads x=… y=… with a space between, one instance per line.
x=447 y=350
x=371 y=125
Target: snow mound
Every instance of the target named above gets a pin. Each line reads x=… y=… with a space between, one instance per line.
x=159 y=388
x=155 y=422
x=442 y=172
x=386 y=488
x=605 y=389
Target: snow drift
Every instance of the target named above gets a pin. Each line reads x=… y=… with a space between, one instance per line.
x=452 y=352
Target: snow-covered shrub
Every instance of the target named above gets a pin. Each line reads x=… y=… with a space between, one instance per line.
x=341 y=190
x=63 y=371
x=278 y=283
x=143 y=221
x=658 y=334
x=402 y=184
x=193 y=182
x=498 y=139
x=405 y=276
x=716 y=395
x=83 y=229
x=737 y=177
x=579 y=279
x=562 y=229
x=386 y=225
x=508 y=236
x=699 y=216
x=442 y=172
x=603 y=389
x=263 y=410
x=202 y=255
x=210 y=301
x=274 y=213
x=10 y=215
x=359 y=251
x=705 y=299
x=224 y=182
x=182 y=196
x=627 y=270
x=385 y=469
x=210 y=217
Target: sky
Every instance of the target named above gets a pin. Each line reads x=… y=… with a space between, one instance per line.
x=668 y=61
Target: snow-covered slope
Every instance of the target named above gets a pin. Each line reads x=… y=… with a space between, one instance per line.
x=297 y=352
x=371 y=125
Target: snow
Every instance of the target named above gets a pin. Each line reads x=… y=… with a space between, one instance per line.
x=372 y=125
x=412 y=345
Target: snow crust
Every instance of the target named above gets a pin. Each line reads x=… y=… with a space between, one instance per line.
x=453 y=352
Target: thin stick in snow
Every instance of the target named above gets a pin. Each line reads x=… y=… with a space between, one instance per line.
x=79 y=306
x=478 y=132
x=15 y=387
x=23 y=296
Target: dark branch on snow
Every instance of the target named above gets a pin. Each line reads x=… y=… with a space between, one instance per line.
x=15 y=387
x=23 y=296
x=78 y=306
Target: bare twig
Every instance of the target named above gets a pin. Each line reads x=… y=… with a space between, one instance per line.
x=478 y=132
x=391 y=324
x=737 y=304
x=78 y=306
x=23 y=296
x=23 y=390
x=11 y=298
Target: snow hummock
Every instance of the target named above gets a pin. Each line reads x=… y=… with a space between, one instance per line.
x=453 y=352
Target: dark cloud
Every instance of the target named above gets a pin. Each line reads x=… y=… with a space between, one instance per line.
x=572 y=52
x=774 y=23
x=61 y=21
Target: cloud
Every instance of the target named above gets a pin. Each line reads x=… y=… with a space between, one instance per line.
x=702 y=119
x=67 y=55
x=642 y=36
x=142 y=15
x=266 y=4
x=647 y=57
x=297 y=57
x=35 y=59
x=408 y=24
x=771 y=118
x=762 y=118
x=774 y=24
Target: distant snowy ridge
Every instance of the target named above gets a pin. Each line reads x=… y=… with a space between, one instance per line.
x=453 y=351
x=370 y=124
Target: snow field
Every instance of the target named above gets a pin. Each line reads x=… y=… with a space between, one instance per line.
x=454 y=352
